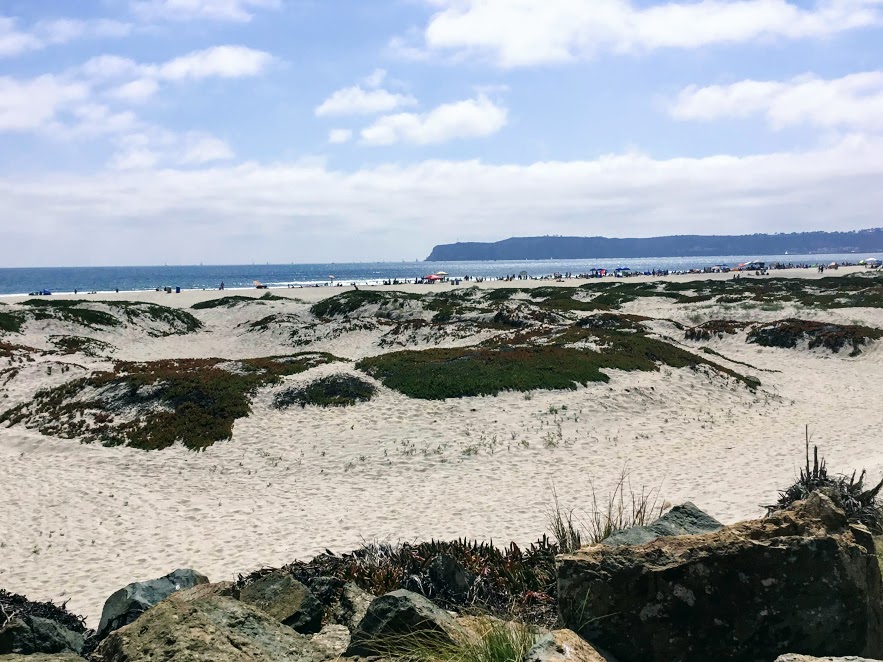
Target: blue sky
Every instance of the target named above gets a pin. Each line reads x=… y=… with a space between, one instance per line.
x=222 y=131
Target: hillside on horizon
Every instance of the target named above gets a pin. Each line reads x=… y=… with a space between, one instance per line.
x=574 y=248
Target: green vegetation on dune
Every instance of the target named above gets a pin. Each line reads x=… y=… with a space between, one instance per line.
x=152 y=405
x=331 y=391
x=89 y=314
x=347 y=303
x=74 y=311
x=235 y=300
x=788 y=333
x=435 y=374
x=179 y=322
x=81 y=345
x=11 y=322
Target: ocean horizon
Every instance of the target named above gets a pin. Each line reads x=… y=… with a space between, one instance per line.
x=62 y=280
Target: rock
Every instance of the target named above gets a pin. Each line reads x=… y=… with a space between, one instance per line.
x=130 y=602
x=28 y=634
x=398 y=613
x=325 y=589
x=192 y=627
x=352 y=607
x=42 y=657
x=333 y=640
x=287 y=600
x=563 y=646
x=685 y=519
x=791 y=657
x=797 y=580
x=449 y=577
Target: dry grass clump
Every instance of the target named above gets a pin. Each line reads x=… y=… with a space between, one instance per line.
x=622 y=508
x=497 y=642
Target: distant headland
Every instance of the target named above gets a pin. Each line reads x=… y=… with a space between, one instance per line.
x=575 y=248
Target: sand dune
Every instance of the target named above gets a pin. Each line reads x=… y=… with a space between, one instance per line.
x=79 y=521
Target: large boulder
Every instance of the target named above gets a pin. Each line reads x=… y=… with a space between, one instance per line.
x=285 y=599
x=197 y=626
x=402 y=613
x=130 y=602
x=28 y=634
x=563 y=646
x=682 y=520
x=801 y=580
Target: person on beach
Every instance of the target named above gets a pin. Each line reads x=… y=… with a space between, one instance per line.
x=222 y=286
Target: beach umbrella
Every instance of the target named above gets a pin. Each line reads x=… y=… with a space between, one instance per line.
x=833 y=264
x=441 y=273
x=330 y=276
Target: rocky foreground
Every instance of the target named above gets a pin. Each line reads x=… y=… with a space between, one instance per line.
x=804 y=581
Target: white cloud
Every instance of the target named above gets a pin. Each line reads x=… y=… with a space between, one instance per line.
x=104 y=67
x=358 y=101
x=472 y=118
x=218 y=61
x=26 y=105
x=218 y=10
x=854 y=101
x=15 y=42
x=526 y=32
x=199 y=148
x=307 y=212
x=57 y=31
x=135 y=91
x=153 y=146
x=339 y=136
x=375 y=78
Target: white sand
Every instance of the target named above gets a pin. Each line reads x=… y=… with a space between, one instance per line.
x=79 y=521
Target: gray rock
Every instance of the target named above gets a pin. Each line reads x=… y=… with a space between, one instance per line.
x=791 y=657
x=287 y=600
x=400 y=613
x=42 y=657
x=450 y=577
x=797 y=580
x=325 y=589
x=352 y=607
x=682 y=520
x=27 y=635
x=130 y=602
x=563 y=646
x=198 y=626
x=333 y=640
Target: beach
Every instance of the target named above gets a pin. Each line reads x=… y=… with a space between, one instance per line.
x=81 y=520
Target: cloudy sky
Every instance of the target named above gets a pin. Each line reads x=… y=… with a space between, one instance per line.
x=231 y=131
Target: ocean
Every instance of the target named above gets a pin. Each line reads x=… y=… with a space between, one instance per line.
x=107 y=279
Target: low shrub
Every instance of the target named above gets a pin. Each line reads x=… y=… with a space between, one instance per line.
x=860 y=504
x=332 y=391
x=14 y=606
x=712 y=328
x=789 y=332
x=234 y=300
x=82 y=345
x=508 y=582
x=11 y=322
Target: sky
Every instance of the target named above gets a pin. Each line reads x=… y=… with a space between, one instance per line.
x=237 y=131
